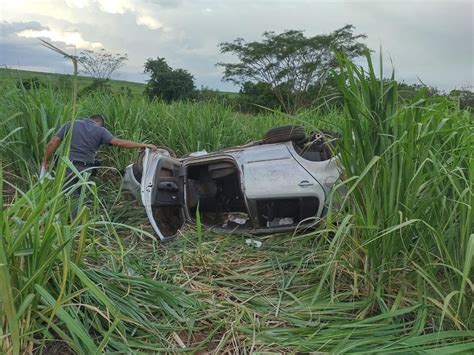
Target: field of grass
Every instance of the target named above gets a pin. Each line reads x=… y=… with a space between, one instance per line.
x=391 y=271
x=10 y=77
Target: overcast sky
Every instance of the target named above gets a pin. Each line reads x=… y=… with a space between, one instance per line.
x=431 y=40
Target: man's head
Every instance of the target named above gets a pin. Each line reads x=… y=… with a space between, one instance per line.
x=98 y=119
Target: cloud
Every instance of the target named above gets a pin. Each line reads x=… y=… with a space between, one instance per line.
x=7 y=29
x=163 y=3
x=116 y=6
x=28 y=53
x=109 y=6
x=80 y=4
x=144 y=11
x=73 y=38
x=149 y=22
x=121 y=6
x=431 y=39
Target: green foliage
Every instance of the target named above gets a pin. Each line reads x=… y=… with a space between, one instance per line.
x=464 y=97
x=256 y=97
x=205 y=94
x=409 y=171
x=29 y=84
x=390 y=272
x=125 y=90
x=289 y=62
x=63 y=83
x=166 y=83
x=97 y=86
x=185 y=127
x=30 y=119
x=259 y=97
x=409 y=91
x=49 y=291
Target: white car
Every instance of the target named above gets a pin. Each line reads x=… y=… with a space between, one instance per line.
x=274 y=185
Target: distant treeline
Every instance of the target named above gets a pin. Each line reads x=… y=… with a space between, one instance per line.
x=252 y=97
x=291 y=72
x=287 y=72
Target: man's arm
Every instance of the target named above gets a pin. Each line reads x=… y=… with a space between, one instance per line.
x=50 y=149
x=122 y=143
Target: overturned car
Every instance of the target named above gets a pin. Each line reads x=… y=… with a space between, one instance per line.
x=274 y=185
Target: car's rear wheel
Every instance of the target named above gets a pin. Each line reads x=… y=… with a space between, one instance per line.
x=284 y=134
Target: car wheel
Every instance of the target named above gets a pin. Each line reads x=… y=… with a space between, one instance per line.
x=284 y=134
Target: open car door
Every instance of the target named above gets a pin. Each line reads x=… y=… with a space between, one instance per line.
x=162 y=193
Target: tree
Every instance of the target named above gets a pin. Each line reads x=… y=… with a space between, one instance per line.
x=410 y=91
x=254 y=97
x=167 y=83
x=290 y=62
x=100 y=64
x=465 y=97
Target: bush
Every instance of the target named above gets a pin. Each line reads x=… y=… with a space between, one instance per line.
x=166 y=83
x=30 y=83
x=65 y=84
x=465 y=98
x=257 y=97
x=98 y=85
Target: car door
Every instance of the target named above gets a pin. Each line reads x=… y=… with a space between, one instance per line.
x=272 y=174
x=271 y=171
x=162 y=193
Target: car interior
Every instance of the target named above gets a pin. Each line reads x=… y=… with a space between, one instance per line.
x=214 y=189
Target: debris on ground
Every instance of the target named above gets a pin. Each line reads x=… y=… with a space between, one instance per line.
x=238 y=218
x=253 y=242
x=276 y=222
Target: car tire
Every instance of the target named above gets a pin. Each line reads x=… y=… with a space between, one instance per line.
x=284 y=134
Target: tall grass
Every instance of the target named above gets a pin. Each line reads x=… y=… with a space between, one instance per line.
x=59 y=280
x=30 y=119
x=410 y=171
x=183 y=127
x=391 y=271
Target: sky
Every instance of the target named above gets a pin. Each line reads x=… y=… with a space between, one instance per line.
x=431 y=41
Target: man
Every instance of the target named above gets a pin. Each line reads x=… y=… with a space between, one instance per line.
x=87 y=136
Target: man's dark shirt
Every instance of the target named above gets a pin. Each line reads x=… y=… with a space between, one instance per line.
x=86 y=139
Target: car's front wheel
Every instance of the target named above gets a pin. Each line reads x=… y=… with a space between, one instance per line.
x=284 y=134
